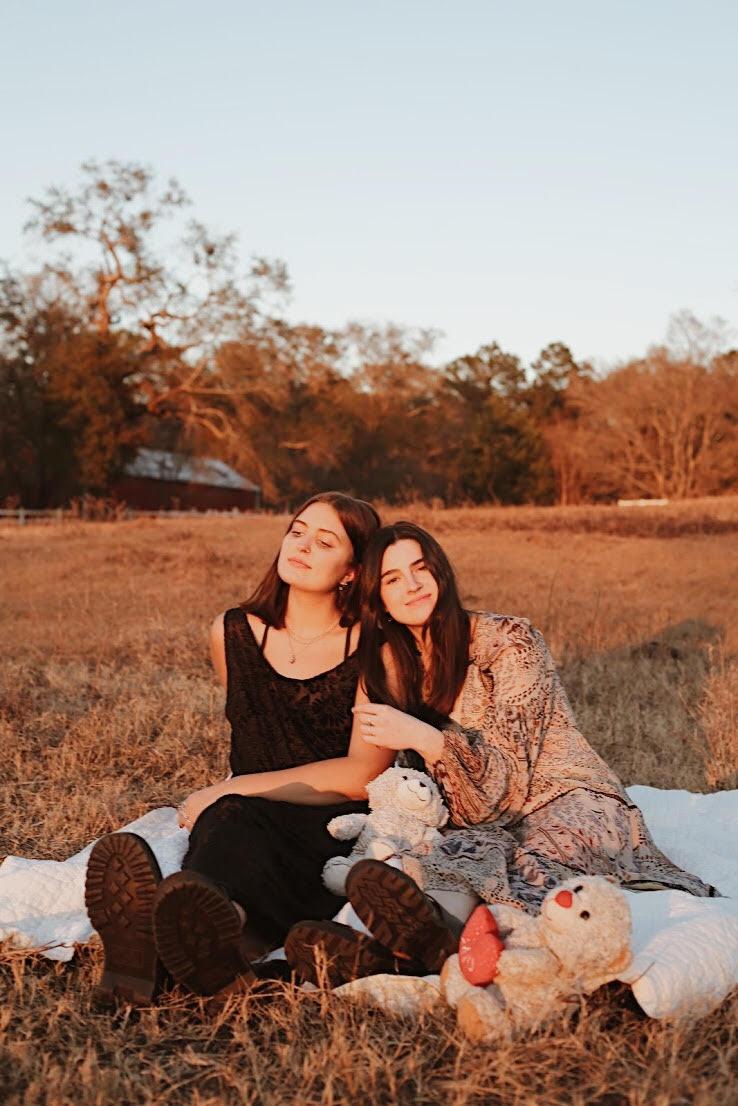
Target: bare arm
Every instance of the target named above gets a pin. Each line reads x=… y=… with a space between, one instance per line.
x=323 y=781
x=217 y=649
x=319 y=783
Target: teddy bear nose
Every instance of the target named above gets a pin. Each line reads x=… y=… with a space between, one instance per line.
x=564 y=898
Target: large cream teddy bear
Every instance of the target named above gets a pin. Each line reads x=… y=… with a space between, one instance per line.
x=405 y=813
x=514 y=971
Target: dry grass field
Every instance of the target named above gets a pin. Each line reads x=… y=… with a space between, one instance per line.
x=108 y=708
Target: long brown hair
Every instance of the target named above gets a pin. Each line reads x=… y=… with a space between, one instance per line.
x=360 y=521
x=448 y=628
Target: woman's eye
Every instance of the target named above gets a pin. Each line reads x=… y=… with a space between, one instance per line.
x=325 y=544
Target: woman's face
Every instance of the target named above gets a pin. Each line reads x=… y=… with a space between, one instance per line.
x=408 y=588
x=316 y=552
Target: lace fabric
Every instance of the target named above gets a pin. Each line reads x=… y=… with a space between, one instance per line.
x=269 y=855
x=276 y=721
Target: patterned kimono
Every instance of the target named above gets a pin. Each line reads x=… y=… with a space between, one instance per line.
x=531 y=802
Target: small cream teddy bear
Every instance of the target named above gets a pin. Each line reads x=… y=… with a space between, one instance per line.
x=405 y=813
x=514 y=971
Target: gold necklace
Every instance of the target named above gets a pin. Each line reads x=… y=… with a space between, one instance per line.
x=305 y=642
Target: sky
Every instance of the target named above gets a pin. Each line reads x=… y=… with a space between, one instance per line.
x=519 y=173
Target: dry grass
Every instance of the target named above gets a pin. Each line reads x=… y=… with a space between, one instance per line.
x=108 y=708
x=711 y=515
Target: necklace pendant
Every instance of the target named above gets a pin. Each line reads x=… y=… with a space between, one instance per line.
x=292 y=660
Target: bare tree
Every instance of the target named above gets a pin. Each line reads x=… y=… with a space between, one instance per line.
x=181 y=309
x=689 y=338
x=657 y=427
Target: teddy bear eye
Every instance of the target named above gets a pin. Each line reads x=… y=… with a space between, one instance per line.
x=579 y=888
x=584 y=914
x=403 y=777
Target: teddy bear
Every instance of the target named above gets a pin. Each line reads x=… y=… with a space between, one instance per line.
x=406 y=812
x=513 y=971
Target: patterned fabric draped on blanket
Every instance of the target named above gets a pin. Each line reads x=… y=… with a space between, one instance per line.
x=531 y=802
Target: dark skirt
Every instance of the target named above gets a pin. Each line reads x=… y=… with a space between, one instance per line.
x=268 y=856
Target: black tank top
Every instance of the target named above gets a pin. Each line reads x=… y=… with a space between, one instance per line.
x=279 y=722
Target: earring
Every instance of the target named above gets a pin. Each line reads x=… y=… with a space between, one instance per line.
x=342 y=595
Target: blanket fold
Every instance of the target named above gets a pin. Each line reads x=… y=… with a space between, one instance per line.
x=685 y=949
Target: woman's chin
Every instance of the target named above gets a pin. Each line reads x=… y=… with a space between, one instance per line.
x=300 y=579
x=413 y=622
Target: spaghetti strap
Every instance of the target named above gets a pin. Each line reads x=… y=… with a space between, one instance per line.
x=262 y=643
x=268 y=856
x=348 y=642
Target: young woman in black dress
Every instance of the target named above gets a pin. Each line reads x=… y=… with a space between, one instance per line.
x=258 y=840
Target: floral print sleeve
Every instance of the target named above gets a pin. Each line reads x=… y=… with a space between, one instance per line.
x=517 y=745
x=488 y=758
x=531 y=802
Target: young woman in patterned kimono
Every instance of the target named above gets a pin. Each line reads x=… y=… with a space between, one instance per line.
x=258 y=840
x=475 y=700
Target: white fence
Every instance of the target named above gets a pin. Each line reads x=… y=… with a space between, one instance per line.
x=22 y=515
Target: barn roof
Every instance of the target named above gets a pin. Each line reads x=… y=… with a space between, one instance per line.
x=157 y=464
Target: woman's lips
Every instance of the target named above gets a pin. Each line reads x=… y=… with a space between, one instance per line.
x=420 y=599
x=298 y=564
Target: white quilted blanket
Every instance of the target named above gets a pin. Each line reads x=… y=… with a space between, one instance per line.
x=685 y=950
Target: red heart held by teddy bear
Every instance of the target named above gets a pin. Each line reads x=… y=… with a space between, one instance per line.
x=480 y=947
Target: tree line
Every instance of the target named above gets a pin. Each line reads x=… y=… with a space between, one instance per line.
x=126 y=338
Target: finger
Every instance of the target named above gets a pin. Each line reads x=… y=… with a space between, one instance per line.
x=372 y=710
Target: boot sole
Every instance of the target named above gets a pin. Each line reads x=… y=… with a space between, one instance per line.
x=121 y=881
x=399 y=914
x=328 y=952
x=199 y=935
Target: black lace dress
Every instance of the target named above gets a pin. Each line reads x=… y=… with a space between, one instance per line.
x=268 y=855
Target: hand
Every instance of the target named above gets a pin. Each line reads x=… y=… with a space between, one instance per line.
x=390 y=728
x=190 y=809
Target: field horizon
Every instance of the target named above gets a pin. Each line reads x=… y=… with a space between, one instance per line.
x=108 y=708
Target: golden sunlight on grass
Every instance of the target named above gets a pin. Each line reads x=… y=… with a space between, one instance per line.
x=108 y=708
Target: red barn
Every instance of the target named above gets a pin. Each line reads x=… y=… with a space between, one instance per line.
x=156 y=480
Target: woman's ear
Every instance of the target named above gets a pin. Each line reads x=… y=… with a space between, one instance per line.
x=348 y=578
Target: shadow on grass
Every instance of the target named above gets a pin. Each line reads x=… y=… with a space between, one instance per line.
x=642 y=706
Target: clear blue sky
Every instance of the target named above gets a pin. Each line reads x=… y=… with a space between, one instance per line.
x=520 y=172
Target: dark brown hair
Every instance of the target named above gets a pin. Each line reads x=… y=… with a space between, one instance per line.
x=448 y=628
x=360 y=521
